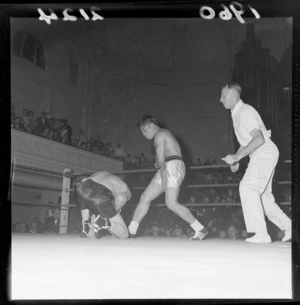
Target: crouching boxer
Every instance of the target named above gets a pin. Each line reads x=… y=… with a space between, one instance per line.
x=102 y=194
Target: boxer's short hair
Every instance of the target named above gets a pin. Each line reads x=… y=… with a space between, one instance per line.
x=86 y=191
x=145 y=120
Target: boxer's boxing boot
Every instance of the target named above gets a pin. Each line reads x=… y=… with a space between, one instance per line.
x=101 y=223
x=86 y=225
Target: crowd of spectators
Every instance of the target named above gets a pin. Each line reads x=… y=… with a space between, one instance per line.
x=59 y=130
x=222 y=221
x=50 y=225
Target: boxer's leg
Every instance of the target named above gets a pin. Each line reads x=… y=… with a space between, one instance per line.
x=184 y=213
x=118 y=227
x=171 y=198
x=85 y=216
x=152 y=191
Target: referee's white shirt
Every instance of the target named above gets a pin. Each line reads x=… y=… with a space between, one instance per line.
x=245 y=118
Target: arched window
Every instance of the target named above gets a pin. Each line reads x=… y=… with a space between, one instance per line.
x=27 y=46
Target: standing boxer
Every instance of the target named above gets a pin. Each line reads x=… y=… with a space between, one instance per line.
x=103 y=194
x=169 y=176
x=256 y=186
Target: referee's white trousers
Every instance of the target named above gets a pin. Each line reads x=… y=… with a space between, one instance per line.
x=256 y=191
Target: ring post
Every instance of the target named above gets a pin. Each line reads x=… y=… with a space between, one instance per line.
x=65 y=201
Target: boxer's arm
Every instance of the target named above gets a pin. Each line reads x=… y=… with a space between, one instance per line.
x=160 y=153
x=121 y=200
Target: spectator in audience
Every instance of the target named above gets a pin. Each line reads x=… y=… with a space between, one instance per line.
x=52 y=222
x=128 y=158
x=32 y=122
x=98 y=145
x=46 y=133
x=207 y=162
x=222 y=234
x=232 y=232
x=244 y=234
x=177 y=231
x=83 y=145
x=25 y=119
x=81 y=137
x=162 y=231
x=75 y=142
x=168 y=233
x=198 y=163
x=64 y=134
x=13 y=120
x=18 y=124
x=155 y=230
x=33 y=228
x=20 y=227
x=68 y=127
x=88 y=146
x=41 y=123
x=119 y=152
x=52 y=123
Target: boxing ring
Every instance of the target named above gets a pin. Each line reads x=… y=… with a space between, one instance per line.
x=65 y=266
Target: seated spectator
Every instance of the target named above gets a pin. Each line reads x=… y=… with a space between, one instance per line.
x=109 y=150
x=81 y=137
x=13 y=120
x=192 y=200
x=98 y=145
x=32 y=122
x=88 y=146
x=18 y=124
x=168 y=233
x=244 y=234
x=232 y=232
x=25 y=119
x=177 y=231
x=20 y=227
x=83 y=145
x=52 y=123
x=207 y=162
x=198 y=163
x=45 y=133
x=42 y=122
x=69 y=131
x=155 y=230
x=64 y=135
x=188 y=232
x=162 y=231
x=52 y=222
x=279 y=235
x=75 y=142
x=33 y=227
x=222 y=234
x=119 y=152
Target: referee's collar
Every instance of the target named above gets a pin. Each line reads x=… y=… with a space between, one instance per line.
x=237 y=106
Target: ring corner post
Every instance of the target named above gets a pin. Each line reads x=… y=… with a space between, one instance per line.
x=65 y=202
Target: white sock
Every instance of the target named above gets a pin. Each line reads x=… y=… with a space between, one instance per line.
x=196 y=225
x=133 y=227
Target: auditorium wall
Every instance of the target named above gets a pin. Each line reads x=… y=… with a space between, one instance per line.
x=111 y=94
